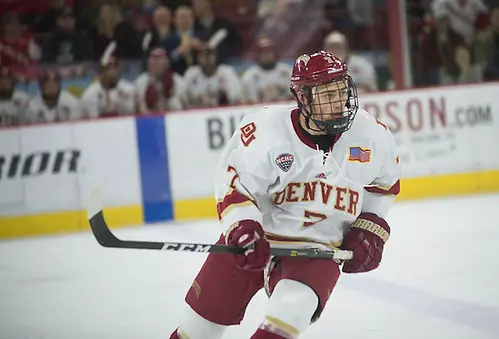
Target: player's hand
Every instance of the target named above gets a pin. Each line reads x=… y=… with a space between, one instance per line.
x=249 y=235
x=366 y=239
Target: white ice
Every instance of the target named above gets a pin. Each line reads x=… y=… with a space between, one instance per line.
x=438 y=279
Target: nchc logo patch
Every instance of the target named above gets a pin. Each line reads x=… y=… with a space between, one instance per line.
x=285 y=161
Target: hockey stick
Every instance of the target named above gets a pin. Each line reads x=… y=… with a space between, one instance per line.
x=106 y=238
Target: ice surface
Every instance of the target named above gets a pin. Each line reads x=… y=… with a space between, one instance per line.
x=439 y=279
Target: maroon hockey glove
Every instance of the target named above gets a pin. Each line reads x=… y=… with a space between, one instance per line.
x=249 y=235
x=366 y=238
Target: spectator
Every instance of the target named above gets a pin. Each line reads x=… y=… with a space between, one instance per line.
x=361 y=70
x=466 y=71
x=268 y=8
x=486 y=49
x=465 y=16
x=45 y=23
x=184 y=41
x=207 y=21
x=174 y=4
x=148 y=6
x=17 y=48
x=111 y=27
x=210 y=84
x=339 y=15
x=276 y=18
x=53 y=103
x=361 y=12
x=161 y=29
x=22 y=6
x=268 y=80
x=295 y=28
x=109 y=95
x=159 y=88
x=66 y=44
x=436 y=55
x=13 y=103
x=138 y=13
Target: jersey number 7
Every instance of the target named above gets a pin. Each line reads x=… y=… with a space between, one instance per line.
x=313 y=217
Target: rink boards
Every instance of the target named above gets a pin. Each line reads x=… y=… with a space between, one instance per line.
x=161 y=167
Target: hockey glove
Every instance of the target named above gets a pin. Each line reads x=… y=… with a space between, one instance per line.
x=249 y=235
x=366 y=238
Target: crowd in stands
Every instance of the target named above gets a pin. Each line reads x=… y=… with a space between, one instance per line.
x=74 y=59
x=454 y=41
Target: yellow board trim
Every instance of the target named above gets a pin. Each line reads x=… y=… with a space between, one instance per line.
x=192 y=209
x=449 y=185
x=64 y=222
x=410 y=188
x=205 y=208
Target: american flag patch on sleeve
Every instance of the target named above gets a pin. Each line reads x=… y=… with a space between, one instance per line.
x=359 y=154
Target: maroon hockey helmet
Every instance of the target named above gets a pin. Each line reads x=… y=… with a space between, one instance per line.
x=333 y=108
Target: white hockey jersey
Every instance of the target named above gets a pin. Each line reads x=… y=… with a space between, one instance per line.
x=13 y=111
x=304 y=197
x=262 y=85
x=68 y=108
x=172 y=103
x=97 y=101
x=204 y=91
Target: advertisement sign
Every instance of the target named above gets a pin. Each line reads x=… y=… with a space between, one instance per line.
x=110 y=160
x=195 y=142
x=55 y=167
x=147 y=162
x=441 y=131
x=40 y=172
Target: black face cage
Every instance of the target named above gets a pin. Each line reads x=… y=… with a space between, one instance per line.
x=331 y=123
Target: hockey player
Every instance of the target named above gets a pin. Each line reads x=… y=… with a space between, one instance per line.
x=159 y=88
x=13 y=103
x=109 y=95
x=268 y=80
x=211 y=84
x=321 y=175
x=53 y=103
